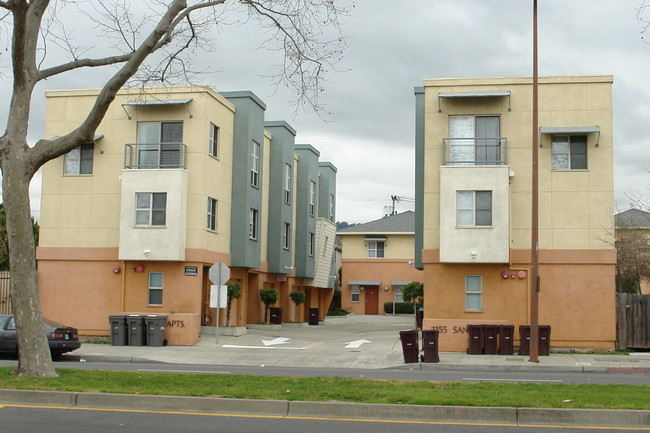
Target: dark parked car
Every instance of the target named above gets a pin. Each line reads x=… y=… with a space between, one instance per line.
x=62 y=338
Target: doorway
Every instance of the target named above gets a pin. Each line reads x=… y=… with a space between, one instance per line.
x=372 y=299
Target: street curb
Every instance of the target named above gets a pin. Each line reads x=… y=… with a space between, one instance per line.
x=504 y=368
x=332 y=410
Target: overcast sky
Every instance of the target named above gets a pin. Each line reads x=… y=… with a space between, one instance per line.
x=393 y=47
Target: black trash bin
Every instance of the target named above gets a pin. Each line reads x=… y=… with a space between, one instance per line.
x=430 y=345
x=474 y=339
x=119 y=334
x=276 y=315
x=419 y=317
x=314 y=316
x=524 y=340
x=506 y=339
x=490 y=339
x=156 y=326
x=543 y=340
x=137 y=334
x=410 y=348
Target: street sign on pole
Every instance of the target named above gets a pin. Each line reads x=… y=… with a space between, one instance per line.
x=219 y=274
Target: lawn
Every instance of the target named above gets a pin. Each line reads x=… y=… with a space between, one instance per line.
x=339 y=389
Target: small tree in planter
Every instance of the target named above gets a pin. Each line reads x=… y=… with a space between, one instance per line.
x=234 y=292
x=297 y=298
x=268 y=297
x=414 y=292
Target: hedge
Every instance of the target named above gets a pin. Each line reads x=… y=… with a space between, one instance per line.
x=400 y=307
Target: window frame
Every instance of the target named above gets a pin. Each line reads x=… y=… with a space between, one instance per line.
x=398 y=291
x=355 y=293
x=373 y=248
x=311 y=244
x=312 y=198
x=155 y=289
x=331 y=208
x=213 y=208
x=571 y=154
x=287 y=183
x=473 y=209
x=253 y=224
x=213 y=141
x=151 y=209
x=473 y=293
x=255 y=164
x=286 y=236
x=76 y=155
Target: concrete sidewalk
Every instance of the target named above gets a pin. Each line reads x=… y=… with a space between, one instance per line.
x=346 y=342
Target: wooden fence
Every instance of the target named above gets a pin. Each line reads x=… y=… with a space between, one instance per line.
x=5 y=298
x=633 y=321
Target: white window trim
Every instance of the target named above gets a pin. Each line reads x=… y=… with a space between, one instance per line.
x=311 y=244
x=255 y=164
x=474 y=210
x=372 y=247
x=253 y=224
x=287 y=183
x=286 y=236
x=150 y=210
x=154 y=288
x=213 y=142
x=355 y=291
x=479 y=293
x=312 y=198
x=213 y=209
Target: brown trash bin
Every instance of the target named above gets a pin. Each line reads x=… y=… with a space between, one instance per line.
x=430 y=345
x=410 y=348
x=474 y=339
x=490 y=339
x=506 y=339
x=276 y=315
x=543 y=340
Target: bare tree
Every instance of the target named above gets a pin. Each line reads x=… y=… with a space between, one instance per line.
x=643 y=18
x=145 y=41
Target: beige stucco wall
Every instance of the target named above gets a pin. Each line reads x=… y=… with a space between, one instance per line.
x=396 y=246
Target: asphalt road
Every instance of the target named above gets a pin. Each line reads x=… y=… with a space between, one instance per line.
x=379 y=374
x=20 y=419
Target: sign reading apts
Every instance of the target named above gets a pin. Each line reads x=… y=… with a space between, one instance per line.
x=191 y=271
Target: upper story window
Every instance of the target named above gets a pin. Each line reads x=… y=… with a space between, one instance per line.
x=287 y=183
x=310 y=245
x=569 y=152
x=212 y=214
x=150 y=208
x=331 y=208
x=375 y=249
x=213 y=142
x=79 y=160
x=474 y=208
x=312 y=198
x=255 y=163
x=253 y=224
x=160 y=145
x=286 y=236
x=474 y=140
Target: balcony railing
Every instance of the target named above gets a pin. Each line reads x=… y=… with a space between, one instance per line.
x=154 y=155
x=475 y=151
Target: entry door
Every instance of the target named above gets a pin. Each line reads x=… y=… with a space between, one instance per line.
x=372 y=300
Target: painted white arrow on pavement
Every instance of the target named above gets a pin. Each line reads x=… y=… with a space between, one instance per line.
x=279 y=340
x=356 y=344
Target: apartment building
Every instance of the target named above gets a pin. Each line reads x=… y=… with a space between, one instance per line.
x=473 y=206
x=177 y=179
x=377 y=261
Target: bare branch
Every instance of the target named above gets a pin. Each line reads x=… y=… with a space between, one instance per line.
x=643 y=21
x=83 y=63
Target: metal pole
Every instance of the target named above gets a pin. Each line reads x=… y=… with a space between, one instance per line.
x=534 y=248
x=218 y=308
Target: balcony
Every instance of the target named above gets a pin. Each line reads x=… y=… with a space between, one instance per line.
x=154 y=155
x=475 y=151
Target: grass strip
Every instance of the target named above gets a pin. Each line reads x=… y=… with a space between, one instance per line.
x=339 y=389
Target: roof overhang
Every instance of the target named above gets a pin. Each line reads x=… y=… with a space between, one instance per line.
x=557 y=130
x=157 y=103
x=494 y=94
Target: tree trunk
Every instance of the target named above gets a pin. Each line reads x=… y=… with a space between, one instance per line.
x=34 y=352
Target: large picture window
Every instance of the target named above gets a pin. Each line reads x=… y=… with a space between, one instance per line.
x=474 y=208
x=569 y=152
x=160 y=144
x=150 y=208
x=474 y=140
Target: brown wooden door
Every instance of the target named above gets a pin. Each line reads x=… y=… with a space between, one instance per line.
x=372 y=300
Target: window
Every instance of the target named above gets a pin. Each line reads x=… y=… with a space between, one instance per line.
x=474 y=208
x=255 y=164
x=569 y=152
x=252 y=224
x=150 y=208
x=155 y=288
x=399 y=297
x=375 y=249
x=212 y=214
x=355 y=293
x=213 y=143
x=474 y=140
x=473 y=293
x=310 y=245
x=79 y=160
x=312 y=198
x=286 y=236
x=331 y=207
x=287 y=183
x=160 y=144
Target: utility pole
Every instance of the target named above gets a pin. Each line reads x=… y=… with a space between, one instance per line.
x=534 y=248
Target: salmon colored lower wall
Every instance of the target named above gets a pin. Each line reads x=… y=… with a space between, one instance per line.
x=383 y=270
x=577 y=300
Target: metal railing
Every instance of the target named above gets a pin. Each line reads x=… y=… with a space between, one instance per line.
x=475 y=151
x=154 y=155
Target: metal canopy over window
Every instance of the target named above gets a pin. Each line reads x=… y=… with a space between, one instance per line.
x=569 y=130
x=495 y=94
x=157 y=102
x=364 y=282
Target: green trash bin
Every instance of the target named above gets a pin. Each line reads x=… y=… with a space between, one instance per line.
x=156 y=326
